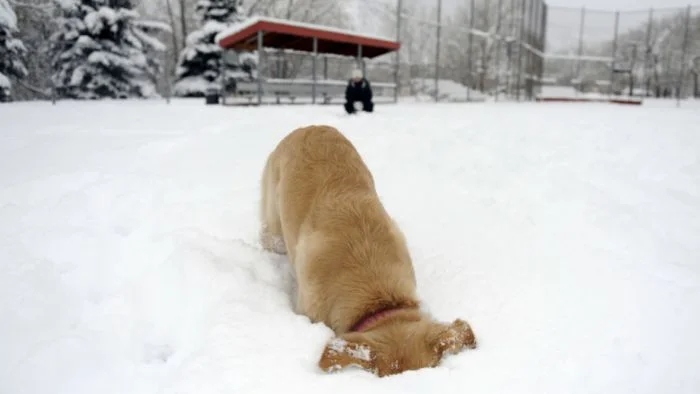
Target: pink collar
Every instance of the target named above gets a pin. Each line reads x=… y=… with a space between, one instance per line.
x=374 y=317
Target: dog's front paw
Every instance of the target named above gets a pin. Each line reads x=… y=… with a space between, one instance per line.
x=340 y=353
x=455 y=338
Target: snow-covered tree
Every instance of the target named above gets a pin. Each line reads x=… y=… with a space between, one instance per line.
x=11 y=51
x=103 y=50
x=199 y=67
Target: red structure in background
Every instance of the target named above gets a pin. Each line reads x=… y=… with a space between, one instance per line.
x=285 y=34
x=261 y=32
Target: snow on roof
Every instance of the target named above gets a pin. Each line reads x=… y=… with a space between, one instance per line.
x=7 y=16
x=238 y=27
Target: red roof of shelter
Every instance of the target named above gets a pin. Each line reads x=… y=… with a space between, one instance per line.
x=286 y=34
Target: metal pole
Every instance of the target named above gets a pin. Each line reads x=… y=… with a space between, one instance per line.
x=520 y=48
x=509 y=49
x=581 y=30
x=614 y=51
x=470 y=51
x=313 y=71
x=647 y=52
x=260 y=66
x=498 y=49
x=543 y=37
x=397 y=65
x=530 y=80
x=325 y=67
x=684 y=56
x=537 y=57
x=360 y=63
x=437 y=51
x=633 y=80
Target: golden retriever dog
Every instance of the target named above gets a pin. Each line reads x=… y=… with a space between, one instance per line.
x=352 y=266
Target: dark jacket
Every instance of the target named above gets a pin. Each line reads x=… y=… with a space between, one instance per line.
x=358 y=91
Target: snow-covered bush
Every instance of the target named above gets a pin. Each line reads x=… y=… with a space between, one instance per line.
x=11 y=51
x=200 y=62
x=103 y=50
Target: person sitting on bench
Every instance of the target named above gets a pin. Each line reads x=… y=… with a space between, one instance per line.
x=358 y=90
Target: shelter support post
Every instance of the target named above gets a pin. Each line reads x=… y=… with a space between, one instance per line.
x=325 y=67
x=260 y=65
x=360 y=63
x=313 y=71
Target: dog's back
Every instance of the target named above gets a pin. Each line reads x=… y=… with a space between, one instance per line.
x=348 y=255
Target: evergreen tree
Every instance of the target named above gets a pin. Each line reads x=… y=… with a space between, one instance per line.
x=11 y=51
x=103 y=50
x=199 y=66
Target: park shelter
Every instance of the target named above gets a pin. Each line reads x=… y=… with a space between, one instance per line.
x=258 y=33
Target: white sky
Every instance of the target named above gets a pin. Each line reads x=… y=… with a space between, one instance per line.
x=601 y=4
x=623 y=4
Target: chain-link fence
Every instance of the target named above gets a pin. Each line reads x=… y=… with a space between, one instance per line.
x=522 y=49
x=475 y=50
x=641 y=53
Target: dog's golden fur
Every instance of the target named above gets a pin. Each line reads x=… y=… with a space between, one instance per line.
x=320 y=207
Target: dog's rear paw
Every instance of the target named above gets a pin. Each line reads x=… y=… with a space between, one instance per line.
x=272 y=243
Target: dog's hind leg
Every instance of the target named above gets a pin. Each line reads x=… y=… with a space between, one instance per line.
x=271 y=237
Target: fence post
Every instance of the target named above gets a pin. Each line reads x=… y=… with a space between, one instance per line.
x=499 y=37
x=647 y=52
x=684 y=56
x=614 y=52
x=509 y=48
x=470 y=49
x=397 y=79
x=543 y=42
x=581 y=32
x=529 y=76
x=437 y=51
x=521 y=48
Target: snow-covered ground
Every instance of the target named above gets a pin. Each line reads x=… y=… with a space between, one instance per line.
x=568 y=235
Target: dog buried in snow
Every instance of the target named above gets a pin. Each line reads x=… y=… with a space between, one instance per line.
x=351 y=262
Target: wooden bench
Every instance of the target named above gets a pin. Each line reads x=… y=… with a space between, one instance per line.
x=327 y=91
